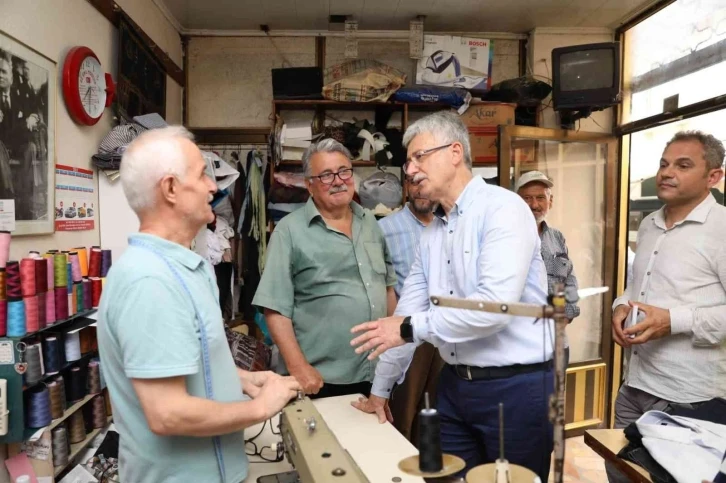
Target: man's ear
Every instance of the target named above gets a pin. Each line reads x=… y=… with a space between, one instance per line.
x=169 y=188
x=458 y=150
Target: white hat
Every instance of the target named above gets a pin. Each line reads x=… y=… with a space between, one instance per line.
x=531 y=176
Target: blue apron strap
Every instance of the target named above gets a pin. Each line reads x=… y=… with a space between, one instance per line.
x=205 y=347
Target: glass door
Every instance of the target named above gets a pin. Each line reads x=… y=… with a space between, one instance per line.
x=583 y=168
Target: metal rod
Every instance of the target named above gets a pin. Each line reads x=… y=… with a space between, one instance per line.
x=426 y=397
x=501 y=431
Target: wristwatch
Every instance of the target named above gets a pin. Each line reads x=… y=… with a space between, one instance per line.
x=407 y=330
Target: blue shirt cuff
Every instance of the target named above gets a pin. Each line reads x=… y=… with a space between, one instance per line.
x=383 y=385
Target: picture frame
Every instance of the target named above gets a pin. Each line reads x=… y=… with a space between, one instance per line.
x=28 y=95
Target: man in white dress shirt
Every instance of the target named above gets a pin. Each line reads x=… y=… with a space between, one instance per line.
x=677 y=352
x=481 y=245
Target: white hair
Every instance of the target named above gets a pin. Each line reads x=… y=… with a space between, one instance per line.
x=150 y=157
x=446 y=126
x=327 y=145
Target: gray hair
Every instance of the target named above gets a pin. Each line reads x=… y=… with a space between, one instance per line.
x=151 y=156
x=713 y=149
x=446 y=126
x=327 y=145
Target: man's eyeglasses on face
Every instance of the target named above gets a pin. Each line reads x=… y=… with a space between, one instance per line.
x=418 y=155
x=328 y=178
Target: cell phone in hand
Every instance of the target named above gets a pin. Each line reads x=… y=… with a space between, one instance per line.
x=633 y=318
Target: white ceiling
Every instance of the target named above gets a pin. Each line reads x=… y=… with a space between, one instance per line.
x=518 y=16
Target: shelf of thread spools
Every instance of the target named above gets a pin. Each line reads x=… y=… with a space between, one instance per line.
x=45 y=304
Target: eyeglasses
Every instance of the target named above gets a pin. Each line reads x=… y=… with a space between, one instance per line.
x=328 y=178
x=416 y=157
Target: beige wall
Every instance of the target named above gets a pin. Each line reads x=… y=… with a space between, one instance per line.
x=539 y=49
x=230 y=81
x=52 y=28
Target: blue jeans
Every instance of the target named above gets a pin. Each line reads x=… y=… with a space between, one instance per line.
x=469 y=413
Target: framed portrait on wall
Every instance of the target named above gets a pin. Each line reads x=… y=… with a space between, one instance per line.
x=27 y=135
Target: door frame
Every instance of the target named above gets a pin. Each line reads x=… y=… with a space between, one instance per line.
x=595 y=375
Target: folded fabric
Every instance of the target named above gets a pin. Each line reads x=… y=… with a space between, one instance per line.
x=151 y=121
x=691 y=450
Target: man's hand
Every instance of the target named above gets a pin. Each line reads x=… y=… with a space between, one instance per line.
x=383 y=334
x=620 y=313
x=32 y=122
x=309 y=377
x=276 y=392
x=374 y=404
x=657 y=324
x=252 y=381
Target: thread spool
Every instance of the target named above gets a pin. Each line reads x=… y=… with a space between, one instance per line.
x=40 y=301
x=94 y=377
x=82 y=259
x=75 y=384
x=3 y=282
x=32 y=322
x=3 y=318
x=105 y=262
x=61 y=446
x=34 y=254
x=96 y=290
x=41 y=275
x=4 y=248
x=71 y=303
x=27 y=277
x=98 y=412
x=64 y=396
x=69 y=277
x=87 y=294
x=34 y=372
x=431 y=458
x=61 y=303
x=12 y=272
x=16 y=318
x=75 y=267
x=60 y=270
x=37 y=407
x=52 y=355
x=94 y=266
x=57 y=400
x=73 y=346
x=49 y=307
x=78 y=289
x=77 y=425
x=50 y=285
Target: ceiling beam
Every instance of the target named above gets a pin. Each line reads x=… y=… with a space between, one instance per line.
x=402 y=35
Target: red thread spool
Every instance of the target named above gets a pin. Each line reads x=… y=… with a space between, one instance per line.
x=31 y=313
x=94 y=269
x=41 y=310
x=49 y=308
x=12 y=271
x=41 y=275
x=61 y=303
x=3 y=318
x=96 y=290
x=27 y=277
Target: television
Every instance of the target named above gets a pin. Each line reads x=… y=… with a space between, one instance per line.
x=586 y=77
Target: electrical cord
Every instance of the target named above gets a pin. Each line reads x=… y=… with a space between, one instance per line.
x=259 y=451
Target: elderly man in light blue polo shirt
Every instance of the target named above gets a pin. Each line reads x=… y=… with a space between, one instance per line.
x=177 y=396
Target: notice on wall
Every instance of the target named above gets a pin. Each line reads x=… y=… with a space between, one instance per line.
x=74 y=201
x=7 y=215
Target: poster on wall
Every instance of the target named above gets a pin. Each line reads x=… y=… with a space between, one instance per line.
x=451 y=61
x=75 y=208
x=27 y=128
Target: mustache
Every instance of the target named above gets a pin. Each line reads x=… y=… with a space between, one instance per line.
x=418 y=177
x=338 y=189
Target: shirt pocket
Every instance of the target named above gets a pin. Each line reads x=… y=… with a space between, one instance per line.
x=561 y=266
x=375 y=257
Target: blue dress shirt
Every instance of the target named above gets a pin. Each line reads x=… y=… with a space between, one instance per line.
x=402 y=231
x=488 y=249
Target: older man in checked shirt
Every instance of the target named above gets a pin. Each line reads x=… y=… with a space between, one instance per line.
x=535 y=188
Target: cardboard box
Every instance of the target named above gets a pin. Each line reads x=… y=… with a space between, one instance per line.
x=482 y=119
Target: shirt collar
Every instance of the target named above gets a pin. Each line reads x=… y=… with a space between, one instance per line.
x=698 y=215
x=407 y=209
x=472 y=189
x=311 y=211
x=170 y=249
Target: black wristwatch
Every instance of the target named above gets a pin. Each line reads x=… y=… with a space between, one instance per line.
x=407 y=330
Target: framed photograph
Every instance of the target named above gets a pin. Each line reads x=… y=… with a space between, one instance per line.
x=27 y=135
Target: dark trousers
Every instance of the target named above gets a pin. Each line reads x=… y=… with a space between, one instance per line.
x=331 y=390
x=470 y=419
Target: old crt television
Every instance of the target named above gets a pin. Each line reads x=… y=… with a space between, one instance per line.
x=586 y=76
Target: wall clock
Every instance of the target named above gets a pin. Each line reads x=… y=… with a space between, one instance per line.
x=86 y=88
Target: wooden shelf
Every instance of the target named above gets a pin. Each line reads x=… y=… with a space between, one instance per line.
x=68 y=365
x=76 y=448
x=68 y=412
x=57 y=325
x=354 y=106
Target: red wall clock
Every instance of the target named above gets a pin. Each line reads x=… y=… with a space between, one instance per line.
x=86 y=89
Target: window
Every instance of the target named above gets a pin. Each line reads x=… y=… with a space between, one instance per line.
x=679 y=50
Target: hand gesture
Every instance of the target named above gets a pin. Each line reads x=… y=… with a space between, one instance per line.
x=620 y=314
x=374 y=404
x=276 y=392
x=656 y=324
x=309 y=377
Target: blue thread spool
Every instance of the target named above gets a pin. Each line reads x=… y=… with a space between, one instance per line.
x=16 y=318
x=52 y=355
x=69 y=278
x=37 y=408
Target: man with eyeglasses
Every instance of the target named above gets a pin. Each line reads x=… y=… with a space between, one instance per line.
x=327 y=269
x=535 y=188
x=482 y=245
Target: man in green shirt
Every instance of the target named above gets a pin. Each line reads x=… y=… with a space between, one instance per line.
x=327 y=269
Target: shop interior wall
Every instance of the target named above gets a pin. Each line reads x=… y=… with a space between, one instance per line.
x=52 y=28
